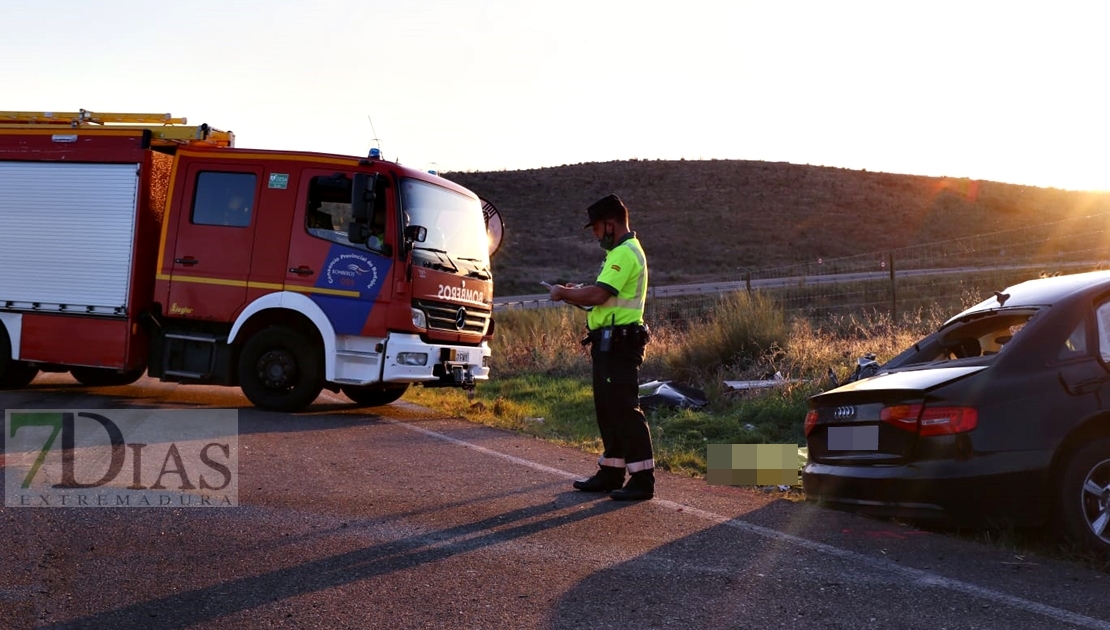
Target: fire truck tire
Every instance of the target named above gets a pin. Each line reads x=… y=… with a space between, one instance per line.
x=375 y=395
x=281 y=370
x=17 y=375
x=102 y=377
x=13 y=374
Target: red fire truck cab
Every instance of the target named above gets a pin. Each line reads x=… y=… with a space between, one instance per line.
x=133 y=244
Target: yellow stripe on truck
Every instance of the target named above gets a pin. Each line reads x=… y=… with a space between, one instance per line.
x=257 y=285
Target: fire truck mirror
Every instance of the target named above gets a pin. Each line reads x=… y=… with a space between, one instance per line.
x=416 y=234
x=358 y=232
x=362 y=196
x=362 y=203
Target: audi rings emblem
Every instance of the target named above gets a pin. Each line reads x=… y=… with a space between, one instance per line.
x=460 y=319
x=844 y=413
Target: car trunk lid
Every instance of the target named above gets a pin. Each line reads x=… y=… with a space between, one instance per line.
x=880 y=419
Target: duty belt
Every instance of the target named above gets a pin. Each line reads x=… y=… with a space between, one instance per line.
x=622 y=331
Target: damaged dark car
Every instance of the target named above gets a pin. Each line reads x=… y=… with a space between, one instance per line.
x=1002 y=415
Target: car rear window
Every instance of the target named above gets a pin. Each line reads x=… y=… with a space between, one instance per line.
x=976 y=335
x=983 y=335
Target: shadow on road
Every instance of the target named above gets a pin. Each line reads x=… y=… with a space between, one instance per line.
x=207 y=604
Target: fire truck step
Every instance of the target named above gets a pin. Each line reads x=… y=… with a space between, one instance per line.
x=194 y=337
x=356 y=353
x=182 y=374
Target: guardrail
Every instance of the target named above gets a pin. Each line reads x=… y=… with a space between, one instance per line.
x=827 y=292
x=901 y=278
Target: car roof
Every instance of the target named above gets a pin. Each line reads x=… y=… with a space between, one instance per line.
x=1042 y=291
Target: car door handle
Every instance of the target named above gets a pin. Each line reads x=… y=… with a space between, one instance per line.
x=301 y=271
x=188 y=260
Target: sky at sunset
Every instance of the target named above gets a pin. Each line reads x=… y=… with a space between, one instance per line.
x=1004 y=91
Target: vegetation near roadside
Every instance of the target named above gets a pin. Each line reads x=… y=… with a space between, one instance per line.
x=542 y=384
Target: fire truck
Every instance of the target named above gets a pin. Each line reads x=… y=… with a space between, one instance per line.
x=136 y=244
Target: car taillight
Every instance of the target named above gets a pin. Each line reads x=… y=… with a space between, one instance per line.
x=926 y=421
x=902 y=416
x=946 y=420
x=811 y=421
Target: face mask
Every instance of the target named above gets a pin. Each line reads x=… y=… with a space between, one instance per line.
x=606 y=241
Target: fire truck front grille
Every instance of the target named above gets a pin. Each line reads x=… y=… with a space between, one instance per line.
x=452 y=317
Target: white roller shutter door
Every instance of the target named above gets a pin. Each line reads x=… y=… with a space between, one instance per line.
x=67 y=235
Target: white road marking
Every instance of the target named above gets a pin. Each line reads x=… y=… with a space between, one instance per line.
x=918 y=577
x=481 y=449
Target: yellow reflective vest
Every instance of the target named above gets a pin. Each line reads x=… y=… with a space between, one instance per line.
x=625 y=270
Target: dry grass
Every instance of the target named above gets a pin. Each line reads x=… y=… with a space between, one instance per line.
x=540 y=341
x=743 y=337
x=742 y=329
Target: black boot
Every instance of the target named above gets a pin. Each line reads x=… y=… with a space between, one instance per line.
x=640 y=486
x=605 y=479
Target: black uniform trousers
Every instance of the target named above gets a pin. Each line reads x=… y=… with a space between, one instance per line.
x=624 y=430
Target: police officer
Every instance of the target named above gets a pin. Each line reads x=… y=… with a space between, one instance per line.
x=617 y=336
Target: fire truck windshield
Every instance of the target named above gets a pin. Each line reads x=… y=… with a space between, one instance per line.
x=455 y=222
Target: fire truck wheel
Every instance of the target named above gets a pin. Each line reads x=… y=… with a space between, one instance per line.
x=13 y=374
x=101 y=377
x=375 y=395
x=17 y=375
x=280 y=370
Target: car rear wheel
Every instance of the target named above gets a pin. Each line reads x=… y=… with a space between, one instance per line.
x=1085 y=497
x=281 y=370
x=375 y=395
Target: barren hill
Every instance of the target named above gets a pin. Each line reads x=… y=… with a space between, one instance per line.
x=702 y=220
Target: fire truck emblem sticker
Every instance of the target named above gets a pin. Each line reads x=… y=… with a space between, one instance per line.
x=353 y=271
x=279 y=180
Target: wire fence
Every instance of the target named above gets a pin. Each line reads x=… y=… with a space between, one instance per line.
x=942 y=276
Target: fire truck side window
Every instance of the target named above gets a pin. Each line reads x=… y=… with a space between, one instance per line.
x=224 y=199
x=329 y=212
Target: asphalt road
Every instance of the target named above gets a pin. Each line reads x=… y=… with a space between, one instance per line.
x=398 y=518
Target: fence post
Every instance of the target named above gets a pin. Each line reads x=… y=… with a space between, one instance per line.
x=893 y=290
x=748 y=281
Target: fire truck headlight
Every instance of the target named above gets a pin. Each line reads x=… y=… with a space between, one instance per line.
x=418 y=319
x=412 y=358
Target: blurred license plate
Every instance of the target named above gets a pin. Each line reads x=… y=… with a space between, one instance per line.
x=854 y=438
x=460 y=356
